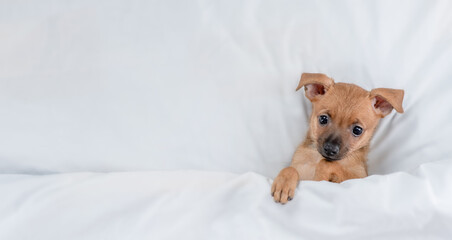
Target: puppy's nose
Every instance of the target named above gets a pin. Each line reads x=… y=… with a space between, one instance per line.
x=331 y=149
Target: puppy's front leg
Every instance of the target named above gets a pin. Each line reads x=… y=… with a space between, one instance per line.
x=301 y=168
x=284 y=185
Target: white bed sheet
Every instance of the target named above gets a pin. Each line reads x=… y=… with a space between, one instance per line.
x=215 y=205
x=116 y=85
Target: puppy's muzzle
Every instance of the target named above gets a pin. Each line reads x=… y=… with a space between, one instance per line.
x=331 y=149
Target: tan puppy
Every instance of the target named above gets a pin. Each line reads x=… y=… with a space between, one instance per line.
x=343 y=120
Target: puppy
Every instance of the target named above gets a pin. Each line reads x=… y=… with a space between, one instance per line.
x=343 y=120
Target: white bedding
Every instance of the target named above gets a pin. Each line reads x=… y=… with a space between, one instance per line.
x=218 y=205
x=181 y=100
x=115 y=85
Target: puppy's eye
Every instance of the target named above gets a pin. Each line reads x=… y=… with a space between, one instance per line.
x=357 y=130
x=323 y=119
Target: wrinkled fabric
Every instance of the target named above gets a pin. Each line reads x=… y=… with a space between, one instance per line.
x=115 y=85
x=218 y=205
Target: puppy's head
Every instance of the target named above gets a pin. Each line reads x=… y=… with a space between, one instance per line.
x=344 y=116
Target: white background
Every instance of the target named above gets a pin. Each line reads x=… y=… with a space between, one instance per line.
x=129 y=87
x=210 y=85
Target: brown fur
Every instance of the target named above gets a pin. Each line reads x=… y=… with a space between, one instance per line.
x=347 y=105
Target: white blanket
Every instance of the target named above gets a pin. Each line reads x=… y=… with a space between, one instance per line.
x=215 y=205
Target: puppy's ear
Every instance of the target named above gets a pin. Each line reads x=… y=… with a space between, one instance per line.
x=385 y=99
x=315 y=84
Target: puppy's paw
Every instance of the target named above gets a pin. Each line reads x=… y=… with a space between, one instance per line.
x=284 y=185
